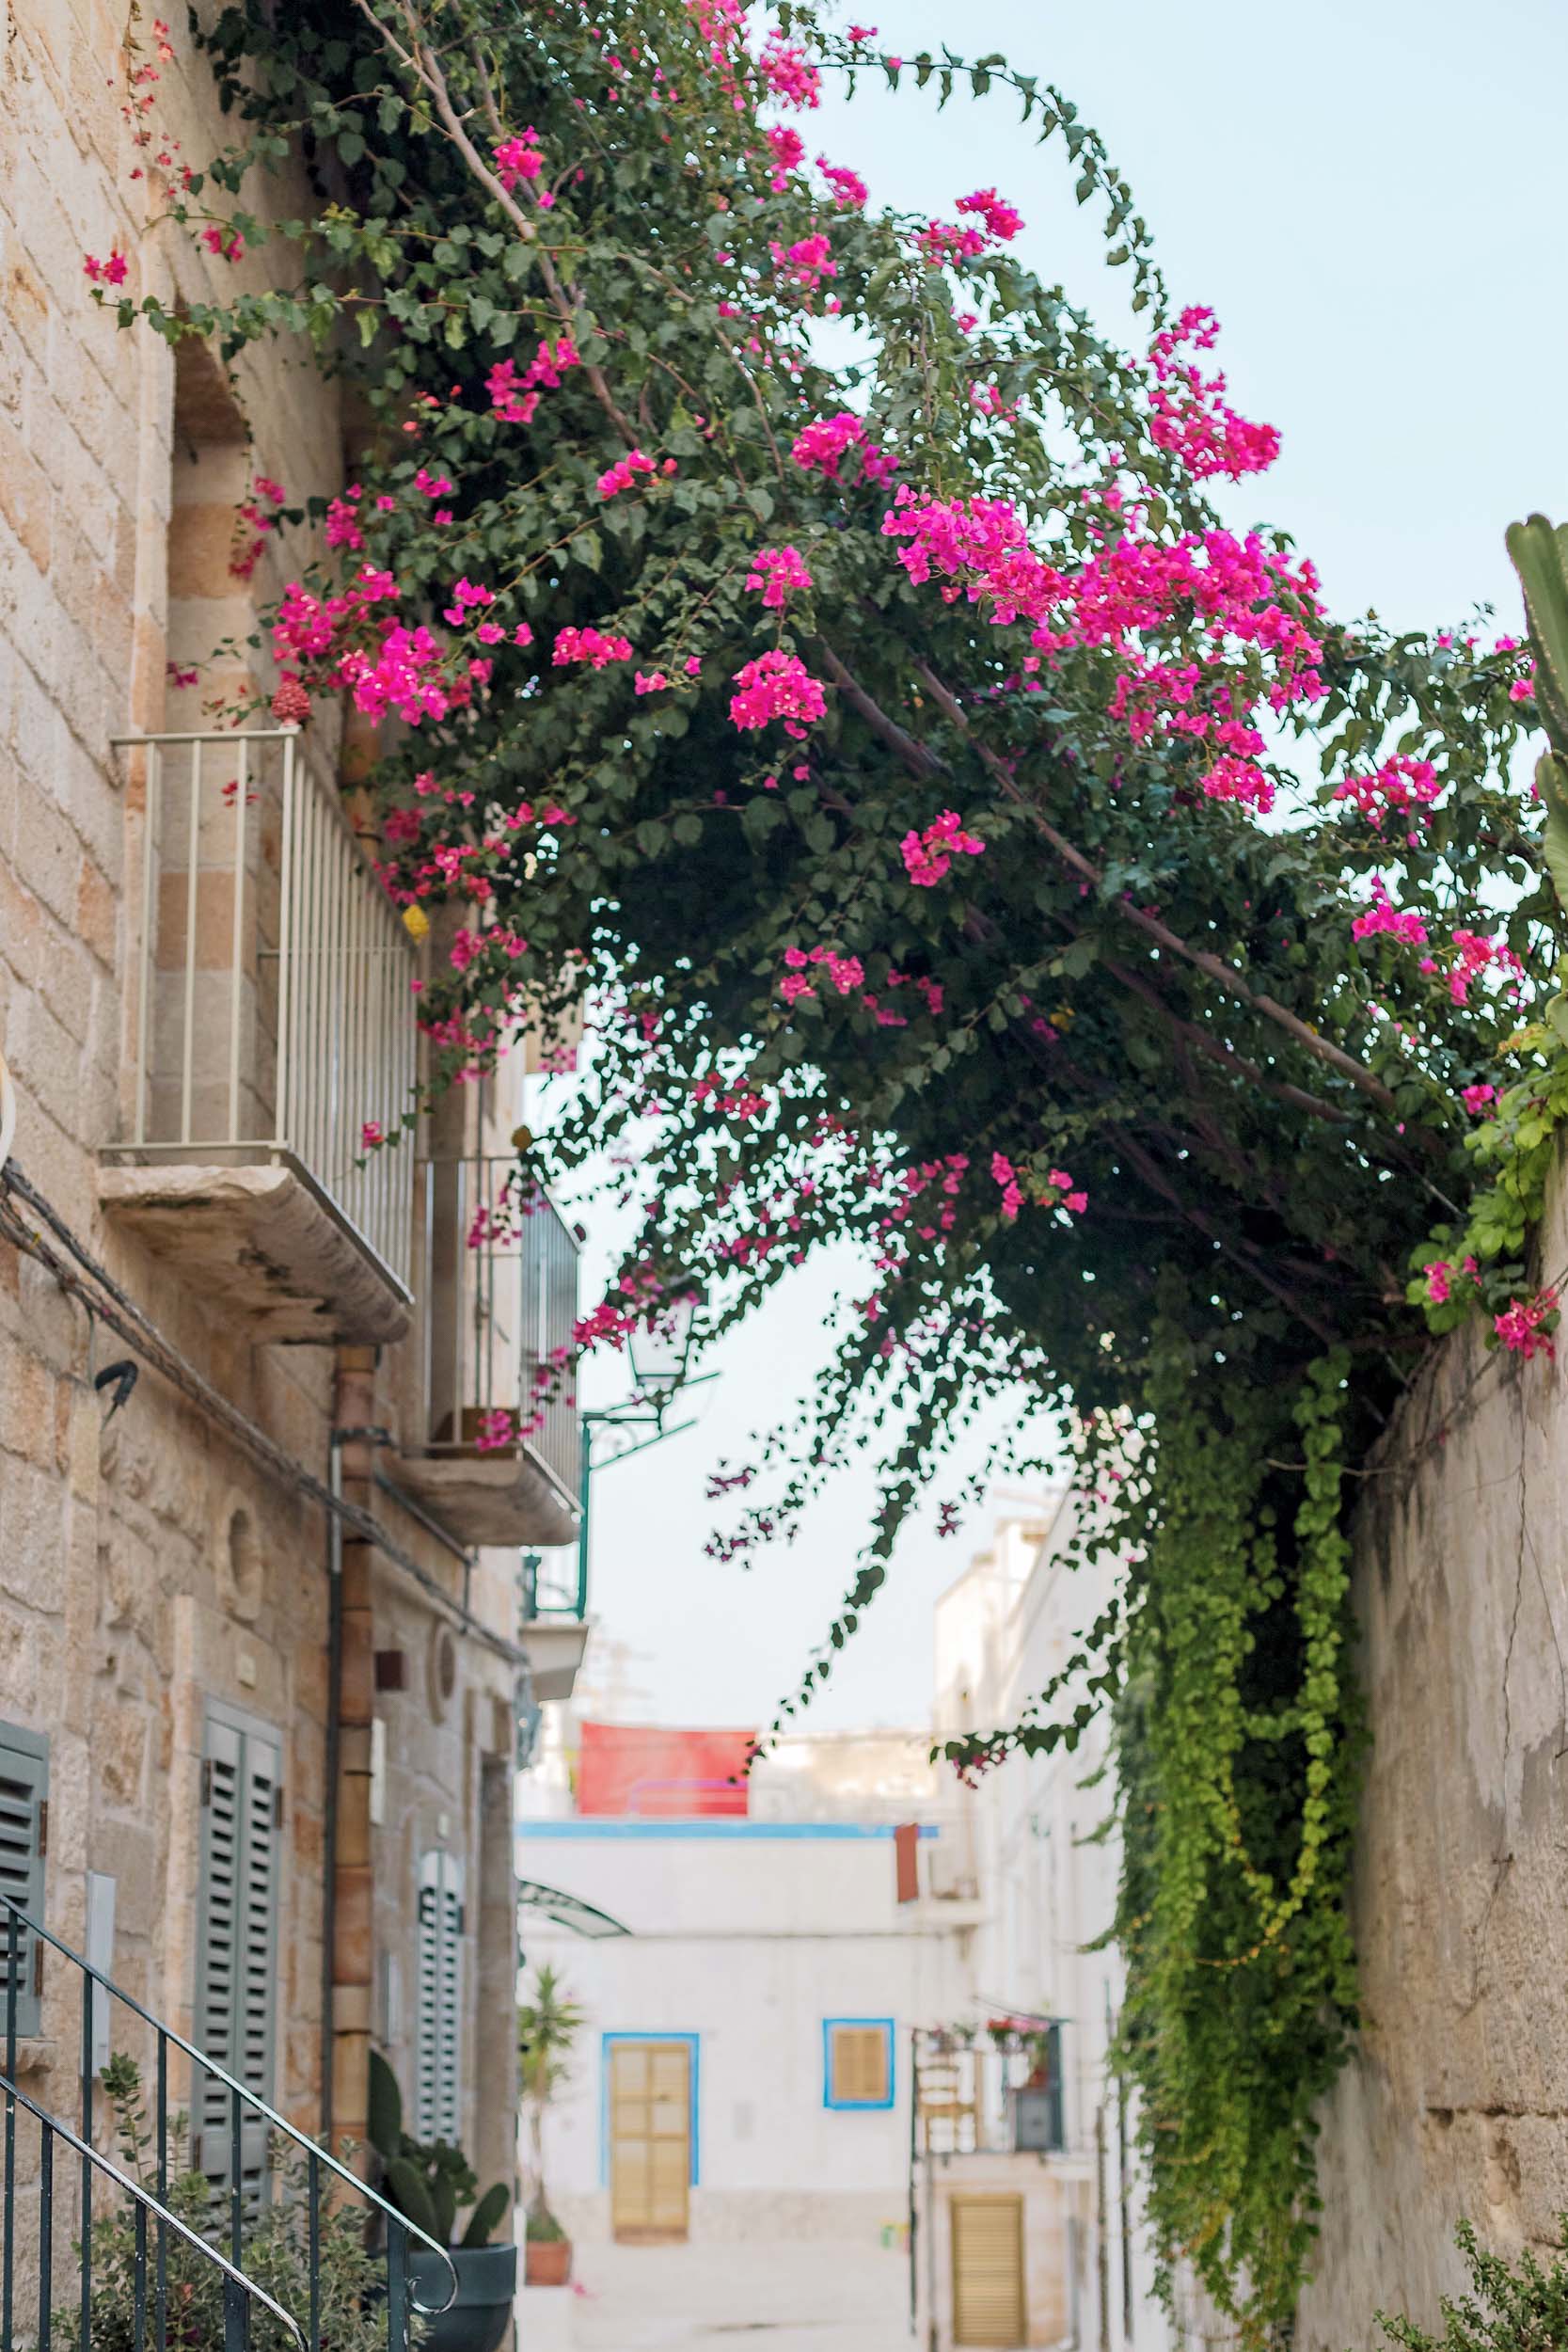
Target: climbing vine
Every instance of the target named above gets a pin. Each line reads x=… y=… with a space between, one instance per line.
x=1237 y=1744
x=967 y=846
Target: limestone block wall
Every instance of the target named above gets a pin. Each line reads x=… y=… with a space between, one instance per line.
x=1456 y=2100
x=146 y=1565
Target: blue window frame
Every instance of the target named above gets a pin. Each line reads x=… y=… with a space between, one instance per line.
x=693 y=2050
x=858 y=2073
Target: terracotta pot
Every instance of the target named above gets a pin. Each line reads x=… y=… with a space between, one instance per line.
x=547 y=2261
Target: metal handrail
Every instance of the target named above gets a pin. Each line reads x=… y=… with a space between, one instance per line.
x=317 y=2155
x=52 y=2129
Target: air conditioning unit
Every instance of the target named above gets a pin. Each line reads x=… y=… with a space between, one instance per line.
x=1037 y=2120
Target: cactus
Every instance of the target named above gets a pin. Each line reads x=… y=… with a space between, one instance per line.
x=384 y=2128
x=427 y=2182
x=486 y=2216
x=1540 y=556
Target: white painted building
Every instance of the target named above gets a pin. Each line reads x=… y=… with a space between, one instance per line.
x=746 y=2067
x=1047 y=1882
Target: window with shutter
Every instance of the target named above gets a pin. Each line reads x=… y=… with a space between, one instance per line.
x=238 y=1892
x=858 y=2062
x=439 y=2035
x=23 y=1821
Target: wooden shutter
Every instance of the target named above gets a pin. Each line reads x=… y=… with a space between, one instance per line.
x=858 y=2066
x=988 y=2271
x=23 y=1819
x=238 y=1892
x=439 y=2022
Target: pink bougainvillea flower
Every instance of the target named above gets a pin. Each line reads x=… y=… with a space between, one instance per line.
x=849 y=190
x=1518 y=1327
x=819 y=448
x=808 y=263
x=621 y=475
x=1401 y=783
x=789 y=73
x=591 y=645
x=776 y=686
x=518 y=159
x=110 y=272
x=1001 y=219
x=1383 y=915
x=929 y=855
x=776 y=571
x=1189 y=414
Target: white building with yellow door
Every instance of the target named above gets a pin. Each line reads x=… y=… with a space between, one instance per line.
x=745 y=2071
x=1028 y=2201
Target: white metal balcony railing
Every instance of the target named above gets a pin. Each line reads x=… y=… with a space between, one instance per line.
x=273 y=1018
x=497 y=1264
x=974 y=2098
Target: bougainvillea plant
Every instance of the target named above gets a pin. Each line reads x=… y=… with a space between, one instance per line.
x=797 y=634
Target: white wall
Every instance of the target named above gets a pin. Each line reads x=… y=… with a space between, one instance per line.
x=1046 y=1895
x=749 y=1935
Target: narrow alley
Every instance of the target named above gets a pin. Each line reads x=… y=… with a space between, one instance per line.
x=800 y=2297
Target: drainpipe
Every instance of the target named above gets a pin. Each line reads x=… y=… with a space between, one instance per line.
x=349 y=1919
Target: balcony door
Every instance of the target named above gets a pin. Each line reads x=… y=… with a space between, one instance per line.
x=649 y=2098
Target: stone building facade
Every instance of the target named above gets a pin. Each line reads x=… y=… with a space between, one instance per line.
x=173 y=1595
x=1455 y=2102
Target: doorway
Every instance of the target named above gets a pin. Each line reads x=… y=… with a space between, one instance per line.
x=988 y=2271
x=649 y=2114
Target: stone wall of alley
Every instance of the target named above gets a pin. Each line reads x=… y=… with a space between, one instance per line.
x=1456 y=2101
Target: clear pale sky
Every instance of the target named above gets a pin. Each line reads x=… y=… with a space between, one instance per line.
x=1374 y=197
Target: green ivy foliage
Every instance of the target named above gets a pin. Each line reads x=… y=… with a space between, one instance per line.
x=1238 y=1740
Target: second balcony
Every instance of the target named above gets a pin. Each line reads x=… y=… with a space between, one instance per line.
x=496 y=1454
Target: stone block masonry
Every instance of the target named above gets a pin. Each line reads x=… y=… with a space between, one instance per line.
x=1456 y=2101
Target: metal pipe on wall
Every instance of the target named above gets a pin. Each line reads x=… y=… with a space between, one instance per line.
x=352 y=1892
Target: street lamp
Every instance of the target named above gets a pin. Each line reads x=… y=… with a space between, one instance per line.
x=660 y=1352
x=661 y=1347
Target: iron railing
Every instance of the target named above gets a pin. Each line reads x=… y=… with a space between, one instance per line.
x=497 y=1264
x=972 y=2098
x=273 y=1018
x=237 y=2193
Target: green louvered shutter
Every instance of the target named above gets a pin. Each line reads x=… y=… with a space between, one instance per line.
x=239 y=1889
x=24 y=1837
x=439 y=1995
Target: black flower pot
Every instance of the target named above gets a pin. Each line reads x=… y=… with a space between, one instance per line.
x=486 y=2291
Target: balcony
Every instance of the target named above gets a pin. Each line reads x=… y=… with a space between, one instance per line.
x=273 y=1019
x=556 y=1627
x=991 y=2094
x=497 y=1452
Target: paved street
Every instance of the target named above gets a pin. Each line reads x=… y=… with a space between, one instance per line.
x=802 y=2297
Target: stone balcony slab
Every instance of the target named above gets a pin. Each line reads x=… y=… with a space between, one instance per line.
x=555 y=1648
x=504 y=1498
x=263 y=1243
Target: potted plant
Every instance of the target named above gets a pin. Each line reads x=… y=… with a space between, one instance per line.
x=429 y=2183
x=548 y=2026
